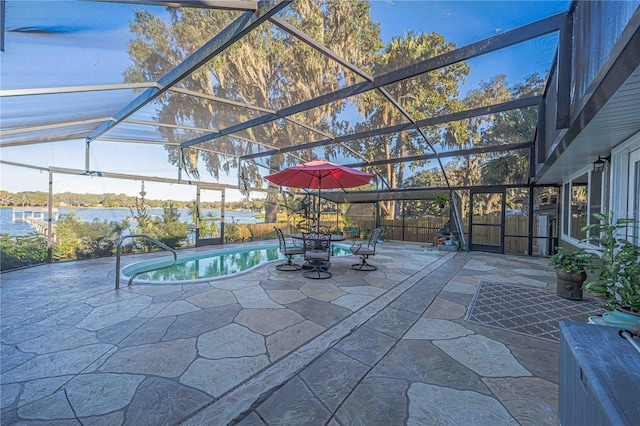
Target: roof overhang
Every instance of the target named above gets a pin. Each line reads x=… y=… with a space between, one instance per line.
x=609 y=116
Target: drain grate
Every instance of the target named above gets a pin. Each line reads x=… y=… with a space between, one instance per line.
x=526 y=310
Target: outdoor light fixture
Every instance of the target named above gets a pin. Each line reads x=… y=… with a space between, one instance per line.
x=598 y=166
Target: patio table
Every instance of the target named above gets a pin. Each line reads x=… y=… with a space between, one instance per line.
x=334 y=237
x=309 y=265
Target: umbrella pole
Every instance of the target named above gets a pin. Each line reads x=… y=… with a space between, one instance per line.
x=319 y=189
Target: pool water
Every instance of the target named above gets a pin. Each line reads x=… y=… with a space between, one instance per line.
x=204 y=266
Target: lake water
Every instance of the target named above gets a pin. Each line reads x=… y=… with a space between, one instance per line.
x=115 y=215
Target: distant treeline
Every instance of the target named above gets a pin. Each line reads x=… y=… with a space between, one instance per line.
x=110 y=200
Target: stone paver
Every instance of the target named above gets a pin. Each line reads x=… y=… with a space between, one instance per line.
x=325 y=314
x=485 y=356
x=228 y=341
x=431 y=405
x=332 y=377
x=460 y=287
x=255 y=298
x=393 y=322
x=216 y=376
x=284 y=341
x=59 y=340
x=444 y=309
x=366 y=345
x=167 y=359
x=268 y=321
x=429 y=329
x=530 y=400
x=98 y=394
x=293 y=404
x=421 y=360
x=70 y=361
x=149 y=406
x=353 y=302
x=269 y=347
x=322 y=291
x=376 y=400
x=212 y=298
x=284 y=297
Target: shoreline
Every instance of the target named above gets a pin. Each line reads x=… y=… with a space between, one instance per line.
x=121 y=208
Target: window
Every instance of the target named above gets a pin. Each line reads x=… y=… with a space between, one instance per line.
x=579 y=200
x=595 y=200
x=583 y=196
x=565 y=207
x=625 y=183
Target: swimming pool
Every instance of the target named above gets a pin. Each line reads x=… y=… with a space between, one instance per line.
x=205 y=266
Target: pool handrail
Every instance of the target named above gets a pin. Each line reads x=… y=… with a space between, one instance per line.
x=153 y=240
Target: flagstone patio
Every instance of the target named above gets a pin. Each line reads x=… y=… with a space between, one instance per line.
x=268 y=347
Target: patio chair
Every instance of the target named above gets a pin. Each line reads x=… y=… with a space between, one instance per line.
x=288 y=250
x=364 y=250
x=317 y=251
x=324 y=229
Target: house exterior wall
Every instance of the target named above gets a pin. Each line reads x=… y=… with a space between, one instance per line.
x=597 y=25
x=600 y=30
x=624 y=190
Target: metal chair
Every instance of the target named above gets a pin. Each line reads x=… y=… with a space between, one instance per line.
x=288 y=250
x=317 y=251
x=364 y=250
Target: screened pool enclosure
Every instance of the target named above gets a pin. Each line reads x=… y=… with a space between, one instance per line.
x=208 y=97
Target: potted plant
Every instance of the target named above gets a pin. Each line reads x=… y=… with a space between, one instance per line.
x=571 y=271
x=442 y=199
x=348 y=228
x=617 y=285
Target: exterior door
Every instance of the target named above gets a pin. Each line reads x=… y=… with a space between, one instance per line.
x=209 y=222
x=486 y=221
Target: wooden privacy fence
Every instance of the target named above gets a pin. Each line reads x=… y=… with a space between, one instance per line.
x=516 y=231
x=425 y=230
x=259 y=231
x=421 y=230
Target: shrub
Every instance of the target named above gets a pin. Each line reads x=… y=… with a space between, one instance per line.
x=167 y=229
x=235 y=232
x=618 y=281
x=77 y=239
x=17 y=251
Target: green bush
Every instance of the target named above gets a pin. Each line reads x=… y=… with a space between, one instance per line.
x=77 y=239
x=167 y=229
x=618 y=282
x=235 y=232
x=17 y=251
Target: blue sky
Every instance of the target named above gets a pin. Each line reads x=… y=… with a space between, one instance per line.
x=84 y=43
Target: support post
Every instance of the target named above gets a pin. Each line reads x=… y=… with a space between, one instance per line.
x=531 y=198
x=222 y=208
x=565 y=51
x=87 y=156
x=180 y=164
x=197 y=215
x=50 y=220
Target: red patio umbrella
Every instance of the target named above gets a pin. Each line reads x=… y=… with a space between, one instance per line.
x=320 y=174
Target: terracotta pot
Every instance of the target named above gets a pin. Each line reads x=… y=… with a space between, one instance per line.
x=569 y=285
